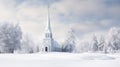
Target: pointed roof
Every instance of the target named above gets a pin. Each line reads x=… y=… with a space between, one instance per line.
x=48 y=28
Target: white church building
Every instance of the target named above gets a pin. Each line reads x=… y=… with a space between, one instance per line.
x=49 y=44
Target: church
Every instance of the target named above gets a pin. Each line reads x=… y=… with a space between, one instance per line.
x=49 y=44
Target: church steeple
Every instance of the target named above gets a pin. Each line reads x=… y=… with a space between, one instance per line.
x=48 y=32
x=48 y=22
x=49 y=44
x=48 y=41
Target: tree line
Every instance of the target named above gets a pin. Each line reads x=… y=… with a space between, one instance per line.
x=13 y=40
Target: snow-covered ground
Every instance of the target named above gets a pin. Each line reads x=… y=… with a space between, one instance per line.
x=60 y=60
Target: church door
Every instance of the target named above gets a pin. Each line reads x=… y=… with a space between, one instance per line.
x=46 y=49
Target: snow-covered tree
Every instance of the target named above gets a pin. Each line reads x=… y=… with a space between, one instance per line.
x=28 y=45
x=94 y=44
x=113 y=40
x=101 y=43
x=109 y=42
x=10 y=37
x=69 y=44
x=83 y=46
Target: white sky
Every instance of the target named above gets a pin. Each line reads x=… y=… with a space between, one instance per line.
x=84 y=16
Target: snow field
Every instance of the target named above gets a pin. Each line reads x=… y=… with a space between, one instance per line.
x=60 y=60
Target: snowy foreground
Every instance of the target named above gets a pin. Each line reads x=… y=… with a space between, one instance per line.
x=60 y=60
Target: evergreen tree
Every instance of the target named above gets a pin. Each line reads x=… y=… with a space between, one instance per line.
x=94 y=44
x=69 y=44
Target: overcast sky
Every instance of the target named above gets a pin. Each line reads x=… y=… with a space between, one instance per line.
x=84 y=16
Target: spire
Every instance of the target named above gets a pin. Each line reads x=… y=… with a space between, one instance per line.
x=48 y=32
x=48 y=28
